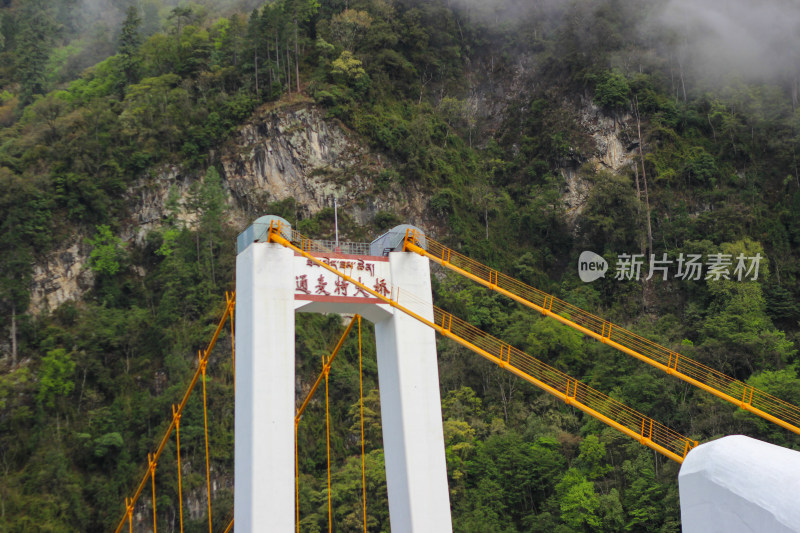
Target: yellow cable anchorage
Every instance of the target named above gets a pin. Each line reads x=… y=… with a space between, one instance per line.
x=606 y=409
x=717 y=383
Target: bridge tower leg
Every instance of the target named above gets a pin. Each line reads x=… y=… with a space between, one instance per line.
x=411 y=414
x=265 y=395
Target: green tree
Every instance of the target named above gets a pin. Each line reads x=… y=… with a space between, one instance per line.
x=613 y=91
x=34 y=42
x=228 y=38
x=592 y=458
x=610 y=217
x=558 y=345
x=130 y=39
x=578 y=502
x=646 y=501
x=301 y=12
x=349 y=67
x=461 y=404
x=254 y=38
x=372 y=420
x=783 y=384
x=23 y=230
x=483 y=510
x=211 y=210
x=157 y=112
x=107 y=253
x=349 y=26
x=55 y=377
x=738 y=335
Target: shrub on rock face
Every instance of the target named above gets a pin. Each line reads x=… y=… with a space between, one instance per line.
x=612 y=92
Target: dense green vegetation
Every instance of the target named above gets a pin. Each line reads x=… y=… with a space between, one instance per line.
x=91 y=102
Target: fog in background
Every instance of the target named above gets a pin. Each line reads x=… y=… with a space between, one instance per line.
x=714 y=40
x=751 y=39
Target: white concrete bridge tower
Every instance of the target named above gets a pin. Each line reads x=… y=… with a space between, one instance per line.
x=272 y=283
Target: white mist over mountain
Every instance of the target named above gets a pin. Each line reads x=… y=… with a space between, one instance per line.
x=716 y=39
x=745 y=38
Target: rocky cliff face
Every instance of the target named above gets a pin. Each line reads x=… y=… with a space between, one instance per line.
x=295 y=152
x=284 y=152
x=614 y=151
x=60 y=277
x=291 y=151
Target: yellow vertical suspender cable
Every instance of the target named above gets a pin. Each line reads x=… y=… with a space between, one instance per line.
x=205 y=427
x=296 y=478
x=143 y=483
x=328 y=444
x=129 y=510
x=233 y=342
x=153 y=479
x=177 y=417
x=324 y=374
x=361 y=401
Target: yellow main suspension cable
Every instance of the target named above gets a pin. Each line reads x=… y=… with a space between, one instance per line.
x=710 y=380
x=634 y=424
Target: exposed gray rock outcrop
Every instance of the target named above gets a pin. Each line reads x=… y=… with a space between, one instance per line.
x=295 y=152
x=613 y=152
x=61 y=277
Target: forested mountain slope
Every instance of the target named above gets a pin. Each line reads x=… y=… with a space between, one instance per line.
x=138 y=138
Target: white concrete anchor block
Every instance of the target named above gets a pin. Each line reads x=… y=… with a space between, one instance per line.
x=740 y=485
